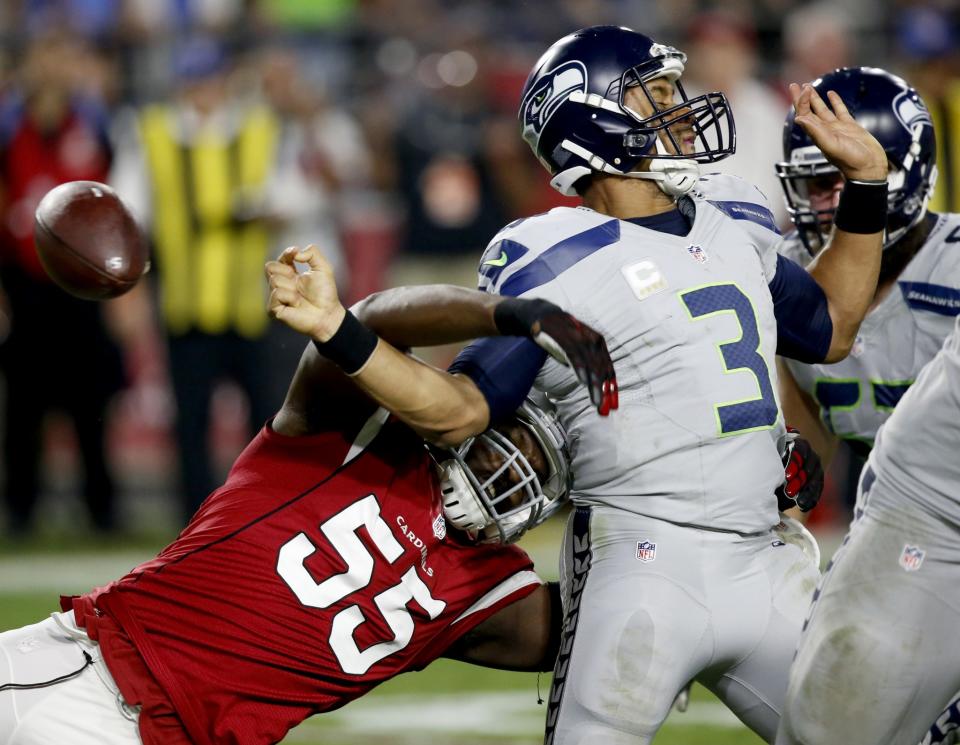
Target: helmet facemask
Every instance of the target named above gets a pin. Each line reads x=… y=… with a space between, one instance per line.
x=708 y=116
x=500 y=505
x=651 y=140
x=897 y=117
x=904 y=209
x=807 y=166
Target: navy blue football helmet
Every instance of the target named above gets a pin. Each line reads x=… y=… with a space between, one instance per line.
x=891 y=111
x=573 y=115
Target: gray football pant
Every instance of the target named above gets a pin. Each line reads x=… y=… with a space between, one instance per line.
x=717 y=607
x=880 y=658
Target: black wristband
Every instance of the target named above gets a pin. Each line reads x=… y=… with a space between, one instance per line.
x=516 y=317
x=862 y=207
x=351 y=346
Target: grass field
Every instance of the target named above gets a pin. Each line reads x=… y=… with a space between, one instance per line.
x=447 y=703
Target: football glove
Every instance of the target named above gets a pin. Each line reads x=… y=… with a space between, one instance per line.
x=568 y=341
x=803 y=474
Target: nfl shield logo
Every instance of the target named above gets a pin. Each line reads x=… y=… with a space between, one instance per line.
x=912 y=557
x=698 y=253
x=440 y=528
x=646 y=551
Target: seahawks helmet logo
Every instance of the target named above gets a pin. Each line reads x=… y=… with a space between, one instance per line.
x=546 y=96
x=910 y=110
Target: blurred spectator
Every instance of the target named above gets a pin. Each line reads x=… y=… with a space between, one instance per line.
x=191 y=16
x=443 y=175
x=92 y=19
x=58 y=354
x=322 y=155
x=322 y=163
x=522 y=184
x=928 y=40
x=721 y=52
x=198 y=170
x=817 y=38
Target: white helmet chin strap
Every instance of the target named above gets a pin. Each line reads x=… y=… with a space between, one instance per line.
x=674 y=176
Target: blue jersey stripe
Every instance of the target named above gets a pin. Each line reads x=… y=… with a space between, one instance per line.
x=888 y=395
x=557 y=259
x=934 y=298
x=748 y=211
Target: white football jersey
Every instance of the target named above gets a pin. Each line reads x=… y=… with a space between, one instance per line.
x=896 y=339
x=916 y=451
x=690 y=326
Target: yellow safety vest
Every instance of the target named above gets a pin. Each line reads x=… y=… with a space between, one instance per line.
x=210 y=265
x=946 y=124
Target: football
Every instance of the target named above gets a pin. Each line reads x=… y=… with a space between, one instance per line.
x=88 y=241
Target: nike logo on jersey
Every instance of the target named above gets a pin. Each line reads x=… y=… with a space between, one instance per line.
x=501 y=261
x=498 y=256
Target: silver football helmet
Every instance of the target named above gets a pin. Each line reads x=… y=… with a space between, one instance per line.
x=501 y=507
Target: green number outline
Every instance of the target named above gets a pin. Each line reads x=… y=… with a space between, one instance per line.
x=826 y=414
x=723 y=362
x=873 y=389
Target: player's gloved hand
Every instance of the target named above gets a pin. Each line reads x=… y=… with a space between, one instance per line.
x=567 y=340
x=803 y=474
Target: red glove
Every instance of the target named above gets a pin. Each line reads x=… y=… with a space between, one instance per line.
x=803 y=475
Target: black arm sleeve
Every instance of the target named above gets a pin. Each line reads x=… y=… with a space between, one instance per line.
x=503 y=368
x=804 y=326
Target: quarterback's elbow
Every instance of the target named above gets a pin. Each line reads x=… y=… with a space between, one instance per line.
x=841 y=343
x=454 y=436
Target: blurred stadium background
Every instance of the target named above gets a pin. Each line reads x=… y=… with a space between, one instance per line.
x=393 y=146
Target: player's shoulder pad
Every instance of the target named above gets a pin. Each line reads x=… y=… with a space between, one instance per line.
x=737 y=198
x=531 y=251
x=931 y=281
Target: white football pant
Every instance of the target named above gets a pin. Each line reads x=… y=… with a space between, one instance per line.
x=83 y=709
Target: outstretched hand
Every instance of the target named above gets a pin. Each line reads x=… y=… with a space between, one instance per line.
x=306 y=302
x=844 y=143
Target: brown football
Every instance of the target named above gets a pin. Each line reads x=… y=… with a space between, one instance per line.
x=88 y=241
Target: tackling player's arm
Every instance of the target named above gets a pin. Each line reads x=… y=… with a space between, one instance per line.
x=442 y=407
x=524 y=635
x=848 y=268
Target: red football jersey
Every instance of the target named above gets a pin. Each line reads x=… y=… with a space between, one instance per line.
x=298 y=586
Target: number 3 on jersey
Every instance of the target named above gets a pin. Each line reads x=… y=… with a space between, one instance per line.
x=736 y=417
x=341 y=531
